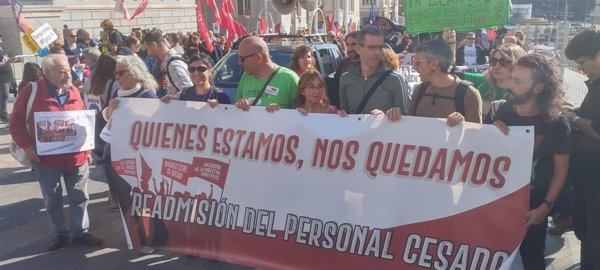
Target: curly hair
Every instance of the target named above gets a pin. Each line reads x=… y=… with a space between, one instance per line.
x=508 y=51
x=103 y=72
x=138 y=70
x=305 y=80
x=390 y=59
x=546 y=71
x=298 y=53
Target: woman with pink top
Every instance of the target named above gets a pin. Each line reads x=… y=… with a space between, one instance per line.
x=312 y=97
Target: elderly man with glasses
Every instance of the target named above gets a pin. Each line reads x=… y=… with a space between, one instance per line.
x=470 y=53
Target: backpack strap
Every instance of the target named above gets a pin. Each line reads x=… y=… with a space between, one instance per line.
x=34 y=88
x=421 y=93
x=459 y=95
x=109 y=91
x=374 y=87
x=174 y=58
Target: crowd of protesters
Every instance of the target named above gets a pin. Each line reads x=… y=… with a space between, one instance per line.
x=518 y=89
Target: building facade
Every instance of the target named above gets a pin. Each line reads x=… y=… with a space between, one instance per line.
x=168 y=15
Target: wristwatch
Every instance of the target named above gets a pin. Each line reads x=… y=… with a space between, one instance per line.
x=548 y=203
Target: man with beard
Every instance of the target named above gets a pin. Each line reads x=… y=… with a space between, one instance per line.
x=54 y=92
x=584 y=48
x=333 y=90
x=535 y=100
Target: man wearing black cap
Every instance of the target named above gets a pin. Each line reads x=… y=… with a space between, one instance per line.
x=6 y=77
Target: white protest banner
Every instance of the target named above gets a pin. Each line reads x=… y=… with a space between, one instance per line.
x=44 y=35
x=410 y=74
x=64 y=131
x=286 y=191
x=474 y=68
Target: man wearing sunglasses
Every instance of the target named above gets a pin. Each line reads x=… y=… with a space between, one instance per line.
x=70 y=47
x=264 y=83
x=470 y=53
x=584 y=48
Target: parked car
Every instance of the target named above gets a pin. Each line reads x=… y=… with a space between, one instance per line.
x=227 y=72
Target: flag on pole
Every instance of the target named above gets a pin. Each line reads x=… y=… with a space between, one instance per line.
x=263 y=25
x=372 y=15
x=202 y=28
x=140 y=9
x=120 y=7
x=17 y=9
x=212 y=5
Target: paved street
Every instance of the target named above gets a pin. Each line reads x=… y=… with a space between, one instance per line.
x=25 y=234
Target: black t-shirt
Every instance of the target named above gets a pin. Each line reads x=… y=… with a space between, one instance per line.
x=6 y=74
x=550 y=139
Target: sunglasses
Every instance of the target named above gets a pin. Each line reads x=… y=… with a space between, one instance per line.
x=470 y=38
x=503 y=62
x=197 y=69
x=73 y=36
x=120 y=72
x=243 y=58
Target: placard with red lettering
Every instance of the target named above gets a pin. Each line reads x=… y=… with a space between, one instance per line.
x=286 y=191
x=62 y=132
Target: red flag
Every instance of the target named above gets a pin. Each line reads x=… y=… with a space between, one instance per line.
x=140 y=9
x=329 y=21
x=120 y=7
x=146 y=171
x=263 y=25
x=202 y=28
x=277 y=28
x=212 y=5
x=22 y=23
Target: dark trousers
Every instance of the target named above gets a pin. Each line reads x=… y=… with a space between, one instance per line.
x=532 y=247
x=4 y=101
x=586 y=211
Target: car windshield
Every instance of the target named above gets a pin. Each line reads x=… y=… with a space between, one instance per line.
x=228 y=71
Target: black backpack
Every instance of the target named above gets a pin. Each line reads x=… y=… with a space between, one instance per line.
x=162 y=91
x=459 y=95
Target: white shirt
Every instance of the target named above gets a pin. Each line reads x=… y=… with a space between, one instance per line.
x=470 y=55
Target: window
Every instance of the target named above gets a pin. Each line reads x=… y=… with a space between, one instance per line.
x=327 y=61
x=368 y=2
x=243 y=8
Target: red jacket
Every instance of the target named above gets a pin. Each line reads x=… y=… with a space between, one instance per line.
x=44 y=102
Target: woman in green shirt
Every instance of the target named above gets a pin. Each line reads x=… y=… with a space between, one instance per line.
x=493 y=84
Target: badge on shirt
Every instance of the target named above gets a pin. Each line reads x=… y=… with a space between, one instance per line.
x=271 y=90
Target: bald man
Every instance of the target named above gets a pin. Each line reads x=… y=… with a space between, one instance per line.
x=264 y=83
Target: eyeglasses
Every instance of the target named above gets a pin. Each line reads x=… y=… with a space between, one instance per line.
x=470 y=38
x=120 y=72
x=197 y=69
x=503 y=62
x=243 y=58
